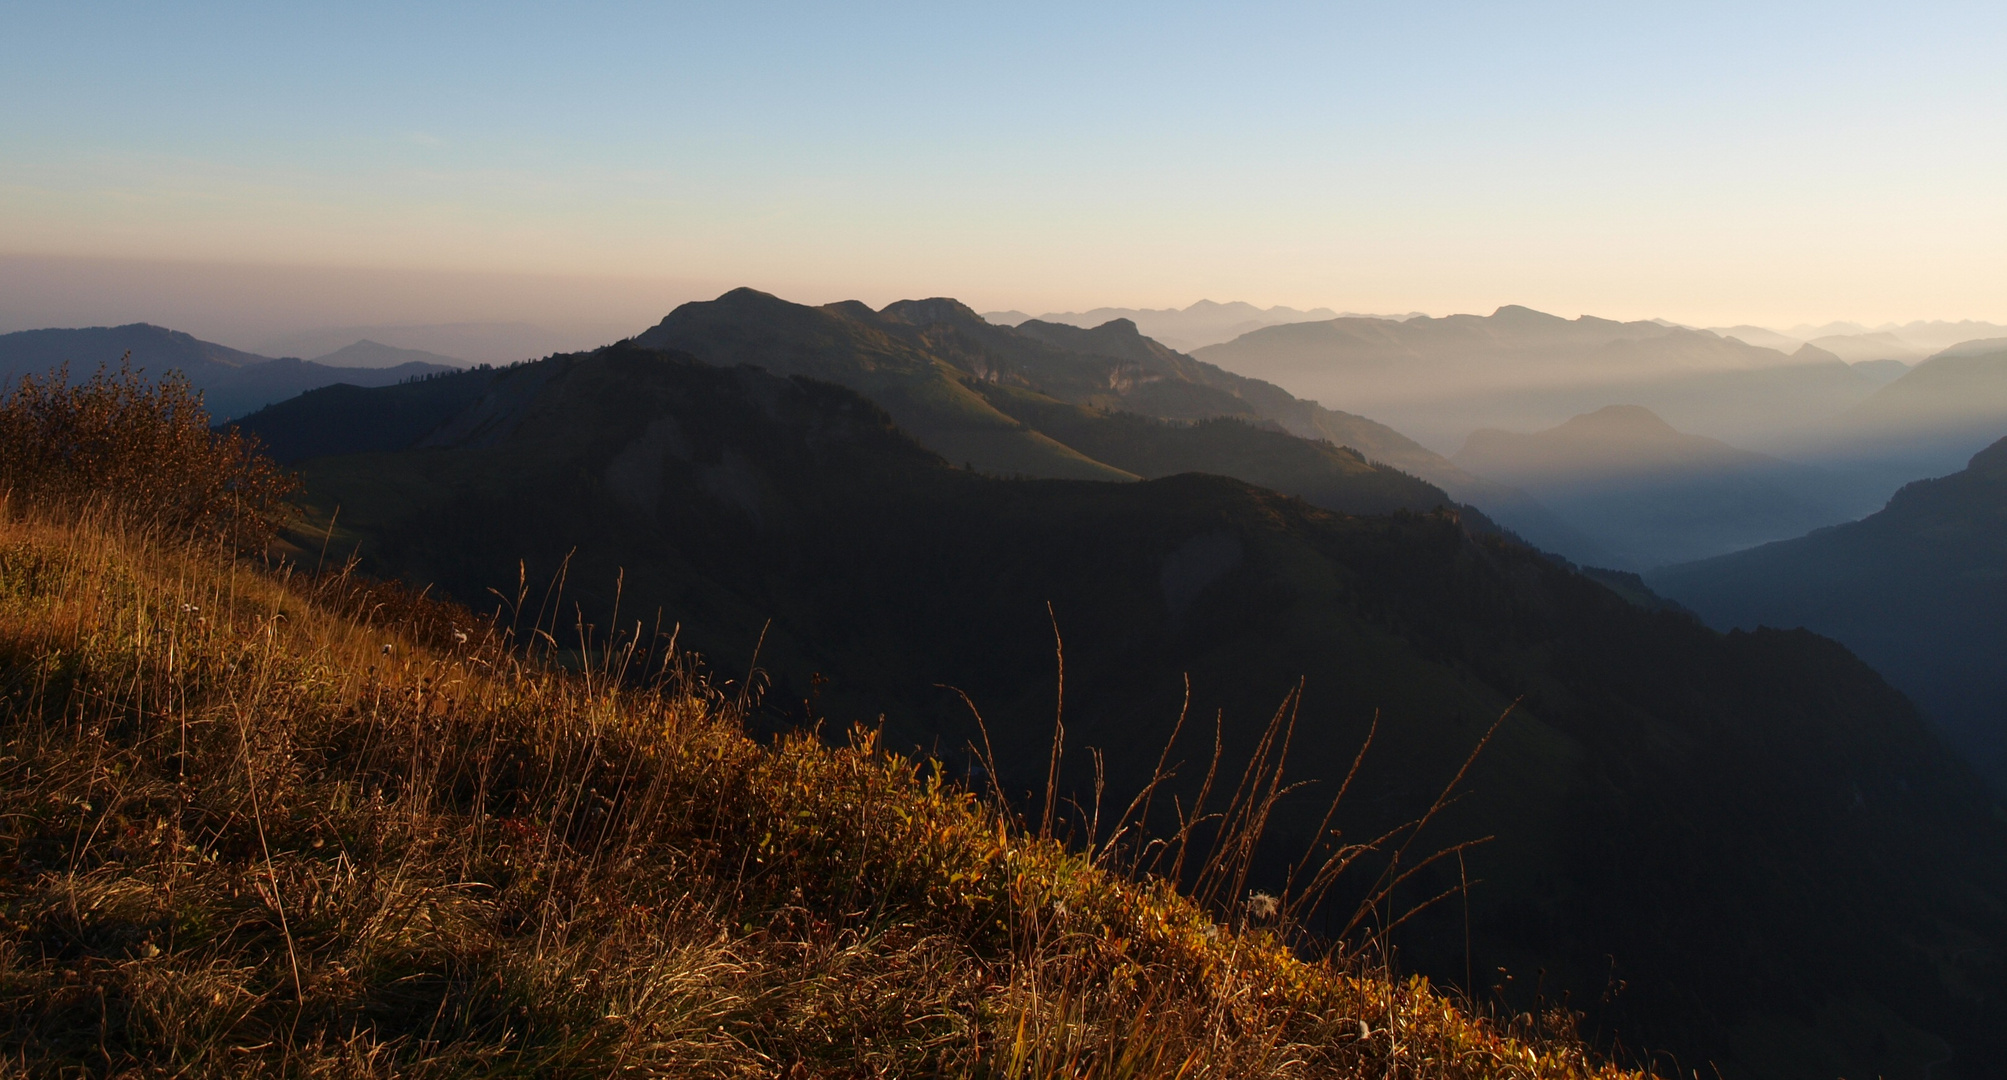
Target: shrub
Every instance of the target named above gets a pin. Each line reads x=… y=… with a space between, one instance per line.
x=142 y=448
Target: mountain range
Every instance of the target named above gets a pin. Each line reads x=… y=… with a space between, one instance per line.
x=1736 y=848
x=1184 y=329
x=232 y=382
x=1520 y=369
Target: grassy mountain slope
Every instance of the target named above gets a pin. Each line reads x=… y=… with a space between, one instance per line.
x=1786 y=870
x=1919 y=590
x=845 y=343
x=254 y=823
x=233 y=383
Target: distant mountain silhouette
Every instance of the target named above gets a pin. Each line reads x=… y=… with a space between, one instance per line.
x=1750 y=833
x=1647 y=494
x=1758 y=336
x=1854 y=348
x=466 y=342
x=1919 y=590
x=1926 y=423
x=1185 y=329
x=369 y=354
x=1927 y=336
x=232 y=382
x=1520 y=369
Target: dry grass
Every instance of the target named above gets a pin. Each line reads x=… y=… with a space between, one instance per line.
x=255 y=823
x=252 y=823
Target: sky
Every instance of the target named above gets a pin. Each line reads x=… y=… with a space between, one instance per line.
x=1708 y=163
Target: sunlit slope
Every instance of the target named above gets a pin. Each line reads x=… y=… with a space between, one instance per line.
x=1780 y=858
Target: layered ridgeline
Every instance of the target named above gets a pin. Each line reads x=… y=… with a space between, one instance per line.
x=1645 y=494
x=1185 y=329
x=258 y=823
x=1740 y=849
x=232 y=382
x=1919 y=590
x=1868 y=427
x=1520 y=369
x=1926 y=423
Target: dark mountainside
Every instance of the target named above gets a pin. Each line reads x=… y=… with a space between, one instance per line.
x=1919 y=590
x=233 y=383
x=1741 y=848
x=1440 y=379
x=1647 y=494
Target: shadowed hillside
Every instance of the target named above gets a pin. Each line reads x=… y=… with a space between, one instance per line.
x=1919 y=590
x=1764 y=840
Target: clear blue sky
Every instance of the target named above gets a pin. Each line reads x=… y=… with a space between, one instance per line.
x=1710 y=163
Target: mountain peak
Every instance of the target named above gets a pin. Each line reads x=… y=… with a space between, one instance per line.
x=1521 y=313
x=1629 y=421
x=1991 y=462
x=933 y=310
